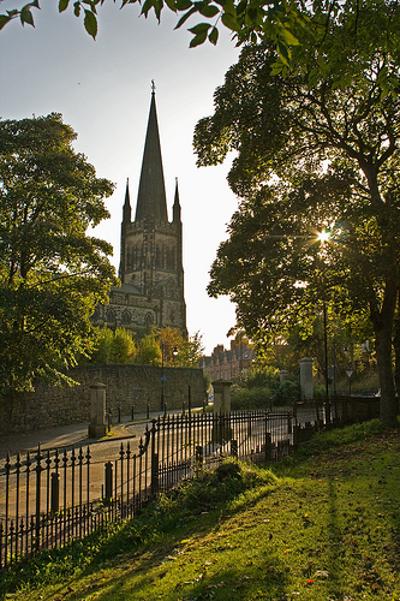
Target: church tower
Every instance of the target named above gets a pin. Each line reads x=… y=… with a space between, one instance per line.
x=151 y=268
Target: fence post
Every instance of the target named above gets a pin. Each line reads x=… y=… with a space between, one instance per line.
x=38 y=470
x=108 y=481
x=234 y=448
x=289 y=423
x=268 y=447
x=199 y=458
x=55 y=492
x=148 y=410
x=154 y=461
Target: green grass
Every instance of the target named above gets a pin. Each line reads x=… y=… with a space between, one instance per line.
x=323 y=526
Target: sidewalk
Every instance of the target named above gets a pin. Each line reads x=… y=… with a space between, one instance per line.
x=64 y=436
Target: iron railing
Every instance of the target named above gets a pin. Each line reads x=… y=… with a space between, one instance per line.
x=50 y=497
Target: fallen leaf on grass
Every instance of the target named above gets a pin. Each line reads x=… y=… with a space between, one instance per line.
x=321 y=574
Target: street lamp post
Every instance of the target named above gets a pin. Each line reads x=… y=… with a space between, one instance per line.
x=323 y=237
x=327 y=402
x=349 y=374
x=162 y=378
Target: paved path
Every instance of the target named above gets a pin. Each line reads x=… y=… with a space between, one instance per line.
x=65 y=436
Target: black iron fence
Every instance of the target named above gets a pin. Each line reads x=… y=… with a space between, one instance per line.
x=49 y=498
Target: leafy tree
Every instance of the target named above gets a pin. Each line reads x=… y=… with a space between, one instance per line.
x=289 y=24
x=102 y=346
x=179 y=351
x=113 y=347
x=313 y=157
x=192 y=351
x=52 y=274
x=149 y=351
x=123 y=349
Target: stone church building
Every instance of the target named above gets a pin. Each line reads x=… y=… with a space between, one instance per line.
x=151 y=270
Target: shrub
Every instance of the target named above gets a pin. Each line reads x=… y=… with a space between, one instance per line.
x=251 y=398
x=286 y=393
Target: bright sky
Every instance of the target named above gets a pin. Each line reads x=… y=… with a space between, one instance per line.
x=102 y=89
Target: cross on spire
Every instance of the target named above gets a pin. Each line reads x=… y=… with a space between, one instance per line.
x=153 y=87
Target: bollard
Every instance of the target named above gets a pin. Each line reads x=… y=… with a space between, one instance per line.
x=119 y=414
x=148 y=410
x=133 y=413
x=183 y=408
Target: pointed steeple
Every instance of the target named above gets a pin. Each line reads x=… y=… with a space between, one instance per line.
x=127 y=211
x=177 y=207
x=151 y=202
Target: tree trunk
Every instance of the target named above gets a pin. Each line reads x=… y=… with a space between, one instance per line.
x=388 y=411
x=396 y=347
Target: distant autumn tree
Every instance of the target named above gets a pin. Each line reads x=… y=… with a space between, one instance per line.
x=178 y=350
x=52 y=273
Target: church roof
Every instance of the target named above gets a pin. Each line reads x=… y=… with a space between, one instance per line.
x=152 y=202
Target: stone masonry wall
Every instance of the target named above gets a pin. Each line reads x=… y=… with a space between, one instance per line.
x=127 y=385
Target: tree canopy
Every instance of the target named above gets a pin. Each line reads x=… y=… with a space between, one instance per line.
x=52 y=273
x=288 y=24
x=313 y=156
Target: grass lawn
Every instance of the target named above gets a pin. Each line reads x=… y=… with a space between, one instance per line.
x=323 y=526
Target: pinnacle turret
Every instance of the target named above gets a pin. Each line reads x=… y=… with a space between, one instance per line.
x=177 y=207
x=127 y=211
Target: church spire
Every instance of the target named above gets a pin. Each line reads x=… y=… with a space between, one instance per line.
x=151 y=202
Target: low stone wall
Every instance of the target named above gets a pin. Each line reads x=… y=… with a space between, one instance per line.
x=126 y=385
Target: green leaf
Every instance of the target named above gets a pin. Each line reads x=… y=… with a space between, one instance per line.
x=183 y=4
x=171 y=5
x=90 y=23
x=209 y=10
x=213 y=36
x=284 y=53
x=185 y=17
x=230 y=22
x=199 y=39
x=4 y=19
x=200 y=28
x=26 y=16
x=276 y=68
x=77 y=9
x=147 y=6
x=289 y=37
x=62 y=5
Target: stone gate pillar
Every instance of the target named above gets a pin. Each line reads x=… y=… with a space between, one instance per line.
x=98 y=417
x=222 y=396
x=222 y=431
x=306 y=379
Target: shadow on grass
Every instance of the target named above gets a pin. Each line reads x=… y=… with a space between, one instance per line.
x=268 y=580
x=193 y=510
x=335 y=545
